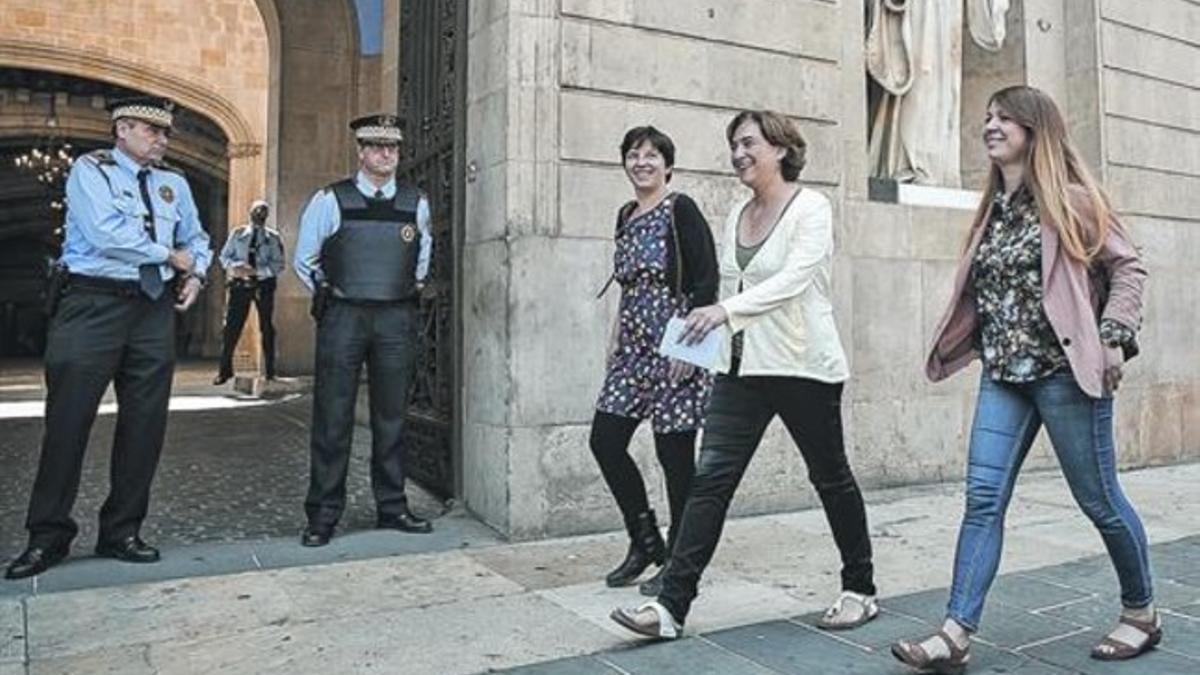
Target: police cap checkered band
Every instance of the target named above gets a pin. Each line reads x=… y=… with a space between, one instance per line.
x=157 y=111
x=383 y=128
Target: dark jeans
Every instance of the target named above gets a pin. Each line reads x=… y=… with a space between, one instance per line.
x=1007 y=419
x=384 y=336
x=241 y=294
x=96 y=338
x=676 y=454
x=738 y=415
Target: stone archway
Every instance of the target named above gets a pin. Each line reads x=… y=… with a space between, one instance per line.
x=45 y=111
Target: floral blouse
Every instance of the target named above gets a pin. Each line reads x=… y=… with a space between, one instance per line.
x=1017 y=342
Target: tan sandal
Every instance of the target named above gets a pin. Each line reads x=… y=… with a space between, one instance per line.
x=849 y=611
x=1112 y=649
x=912 y=654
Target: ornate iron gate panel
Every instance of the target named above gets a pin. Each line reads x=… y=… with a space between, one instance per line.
x=432 y=62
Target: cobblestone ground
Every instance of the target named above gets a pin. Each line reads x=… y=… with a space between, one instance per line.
x=1039 y=622
x=226 y=475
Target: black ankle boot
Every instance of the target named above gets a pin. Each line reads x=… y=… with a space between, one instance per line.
x=646 y=547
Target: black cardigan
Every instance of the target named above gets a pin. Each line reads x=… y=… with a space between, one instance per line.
x=696 y=249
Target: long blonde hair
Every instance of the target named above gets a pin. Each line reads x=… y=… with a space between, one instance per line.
x=1052 y=165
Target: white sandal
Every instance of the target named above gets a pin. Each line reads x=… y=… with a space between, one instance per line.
x=664 y=626
x=842 y=615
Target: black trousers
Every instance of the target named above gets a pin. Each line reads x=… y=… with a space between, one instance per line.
x=738 y=415
x=262 y=294
x=385 y=337
x=96 y=338
x=676 y=453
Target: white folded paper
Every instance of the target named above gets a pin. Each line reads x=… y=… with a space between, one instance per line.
x=704 y=353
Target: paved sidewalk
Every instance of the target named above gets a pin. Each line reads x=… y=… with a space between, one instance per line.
x=462 y=602
x=1043 y=621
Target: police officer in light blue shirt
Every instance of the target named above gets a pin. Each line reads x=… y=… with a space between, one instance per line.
x=364 y=249
x=253 y=260
x=134 y=253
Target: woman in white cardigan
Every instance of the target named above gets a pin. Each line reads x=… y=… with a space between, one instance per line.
x=784 y=358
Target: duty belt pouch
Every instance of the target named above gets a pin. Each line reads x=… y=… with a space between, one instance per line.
x=320 y=302
x=56 y=286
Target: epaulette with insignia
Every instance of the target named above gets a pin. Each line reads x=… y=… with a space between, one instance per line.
x=163 y=166
x=102 y=156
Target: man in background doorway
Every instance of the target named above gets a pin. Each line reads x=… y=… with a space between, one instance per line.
x=253 y=259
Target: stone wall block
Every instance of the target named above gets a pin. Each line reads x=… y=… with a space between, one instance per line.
x=597 y=57
x=558 y=329
x=888 y=349
x=809 y=27
x=487 y=380
x=486 y=487
x=875 y=230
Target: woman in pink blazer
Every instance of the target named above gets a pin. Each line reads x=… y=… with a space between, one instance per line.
x=1048 y=295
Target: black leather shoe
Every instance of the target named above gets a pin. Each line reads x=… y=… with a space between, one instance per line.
x=221 y=379
x=130 y=549
x=405 y=521
x=35 y=560
x=315 y=536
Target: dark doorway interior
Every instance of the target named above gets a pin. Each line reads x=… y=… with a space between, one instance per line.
x=60 y=117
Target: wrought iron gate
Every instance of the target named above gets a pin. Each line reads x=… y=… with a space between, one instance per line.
x=432 y=85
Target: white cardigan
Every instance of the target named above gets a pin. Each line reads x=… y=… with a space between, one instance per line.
x=784 y=306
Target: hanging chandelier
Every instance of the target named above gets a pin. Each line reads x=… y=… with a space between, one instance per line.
x=49 y=163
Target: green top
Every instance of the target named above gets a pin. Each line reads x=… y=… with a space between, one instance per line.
x=746 y=253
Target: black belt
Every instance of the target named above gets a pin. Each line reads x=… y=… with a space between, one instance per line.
x=120 y=287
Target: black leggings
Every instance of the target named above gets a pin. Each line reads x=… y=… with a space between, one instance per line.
x=676 y=454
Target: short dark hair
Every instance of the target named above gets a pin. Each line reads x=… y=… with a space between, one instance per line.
x=661 y=142
x=780 y=132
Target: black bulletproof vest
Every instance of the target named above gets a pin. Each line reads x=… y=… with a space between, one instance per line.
x=373 y=255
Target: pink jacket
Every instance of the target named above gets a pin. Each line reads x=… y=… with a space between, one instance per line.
x=1075 y=299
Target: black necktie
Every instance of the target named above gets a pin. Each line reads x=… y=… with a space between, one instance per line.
x=148 y=275
x=252 y=257
x=379 y=194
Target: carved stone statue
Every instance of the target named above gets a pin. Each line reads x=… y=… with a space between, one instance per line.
x=914 y=54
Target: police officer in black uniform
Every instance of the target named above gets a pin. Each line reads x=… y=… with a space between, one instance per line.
x=364 y=249
x=134 y=249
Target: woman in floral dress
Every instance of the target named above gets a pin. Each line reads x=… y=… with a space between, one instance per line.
x=665 y=264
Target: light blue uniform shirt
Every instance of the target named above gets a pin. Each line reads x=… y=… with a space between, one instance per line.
x=269 y=261
x=105 y=226
x=322 y=217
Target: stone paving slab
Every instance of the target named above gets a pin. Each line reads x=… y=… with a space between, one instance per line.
x=123 y=660
x=724 y=601
x=320 y=593
x=12 y=632
x=694 y=656
x=463 y=637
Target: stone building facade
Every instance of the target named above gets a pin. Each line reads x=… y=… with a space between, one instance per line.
x=551 y=85
x=554 y=83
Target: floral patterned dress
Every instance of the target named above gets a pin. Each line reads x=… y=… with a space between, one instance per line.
x=636 y=384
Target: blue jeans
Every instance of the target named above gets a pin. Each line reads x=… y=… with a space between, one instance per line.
x=1007 y=418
